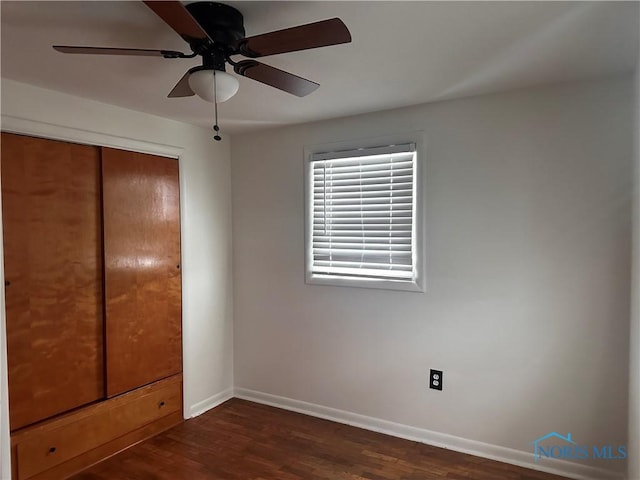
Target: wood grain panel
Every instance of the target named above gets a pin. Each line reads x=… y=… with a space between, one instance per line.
x=53 y=271
x=47 y=449
x=92 y=457
x=141 y=208
x=62 y=446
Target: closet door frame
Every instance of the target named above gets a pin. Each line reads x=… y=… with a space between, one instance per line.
x=22 y=126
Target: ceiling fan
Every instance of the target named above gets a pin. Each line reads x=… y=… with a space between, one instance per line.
x=216 y=32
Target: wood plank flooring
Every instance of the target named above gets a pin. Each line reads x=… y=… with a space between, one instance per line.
x=241 y=440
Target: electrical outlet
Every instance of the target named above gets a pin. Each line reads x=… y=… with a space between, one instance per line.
x=435 y=379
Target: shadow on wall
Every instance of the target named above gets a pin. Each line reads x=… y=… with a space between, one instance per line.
x=535 y=48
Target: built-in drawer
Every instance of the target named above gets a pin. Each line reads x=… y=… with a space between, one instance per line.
x=59 y=440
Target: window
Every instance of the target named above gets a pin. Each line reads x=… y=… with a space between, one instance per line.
x=362 y=218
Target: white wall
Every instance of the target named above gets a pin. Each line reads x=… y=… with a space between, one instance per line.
x=206 y=224
x=634 y=369
x=527 y=214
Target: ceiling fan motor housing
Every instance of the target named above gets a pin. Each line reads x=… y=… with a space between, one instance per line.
x=223 y=24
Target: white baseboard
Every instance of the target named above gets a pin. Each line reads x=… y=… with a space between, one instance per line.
x=211 y=402
x=493 y=452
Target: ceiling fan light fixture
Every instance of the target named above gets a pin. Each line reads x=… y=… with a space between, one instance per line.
x=215 y=32
x=201 y=82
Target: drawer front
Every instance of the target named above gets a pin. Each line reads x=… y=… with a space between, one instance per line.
x=46 y=449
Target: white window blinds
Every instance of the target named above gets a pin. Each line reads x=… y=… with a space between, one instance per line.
x=363 y=213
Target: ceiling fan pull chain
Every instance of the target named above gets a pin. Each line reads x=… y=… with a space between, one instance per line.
x=216 y=128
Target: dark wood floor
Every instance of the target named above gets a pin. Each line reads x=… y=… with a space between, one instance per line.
x=246 y=441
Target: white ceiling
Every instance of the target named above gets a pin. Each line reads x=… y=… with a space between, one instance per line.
x=403 y=53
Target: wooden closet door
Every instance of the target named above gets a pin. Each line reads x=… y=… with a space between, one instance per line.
x=53 y=276
x=141 y=209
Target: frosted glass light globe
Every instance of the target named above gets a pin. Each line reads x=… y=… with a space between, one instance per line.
x=201 y=82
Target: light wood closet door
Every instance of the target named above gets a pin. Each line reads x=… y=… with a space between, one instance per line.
x=141 y=208
x=53 y=276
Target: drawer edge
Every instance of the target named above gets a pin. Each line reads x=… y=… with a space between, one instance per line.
x=112 y=444
x=107 y=450
x=90 y=410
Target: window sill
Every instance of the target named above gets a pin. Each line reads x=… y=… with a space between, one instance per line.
x=335 y=281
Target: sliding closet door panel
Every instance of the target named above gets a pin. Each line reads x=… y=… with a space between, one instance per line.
x=53 y=276
x=141 y=208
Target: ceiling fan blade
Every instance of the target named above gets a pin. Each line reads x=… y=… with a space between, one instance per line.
x=275 y=77
x=118 y=51
x=312 y=35
x=178 y=17
x=182 y=88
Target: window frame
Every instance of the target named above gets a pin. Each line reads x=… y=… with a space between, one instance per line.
x=342 y=150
